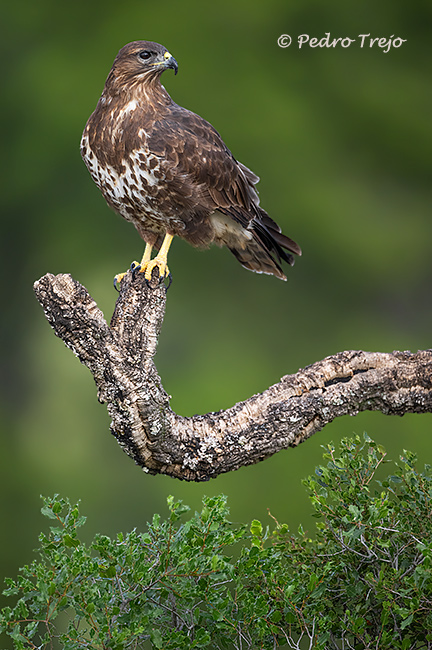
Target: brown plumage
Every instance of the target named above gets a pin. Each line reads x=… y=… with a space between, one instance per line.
x=168 y=171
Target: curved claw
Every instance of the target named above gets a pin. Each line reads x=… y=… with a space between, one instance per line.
x=135 y=268
x=117 y=280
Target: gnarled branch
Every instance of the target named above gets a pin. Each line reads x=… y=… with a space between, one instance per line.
x=120 y=357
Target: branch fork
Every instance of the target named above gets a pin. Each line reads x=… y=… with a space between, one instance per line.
x=120 y=358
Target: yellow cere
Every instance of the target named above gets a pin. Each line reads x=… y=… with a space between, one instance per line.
x=167 y=55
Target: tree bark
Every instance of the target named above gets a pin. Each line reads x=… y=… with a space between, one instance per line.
x=120 y=358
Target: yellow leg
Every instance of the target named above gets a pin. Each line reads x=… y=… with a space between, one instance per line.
x=147 y=256
x=147 y=265
x=145 y=260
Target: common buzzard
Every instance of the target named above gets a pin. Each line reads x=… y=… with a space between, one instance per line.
x=168 y=171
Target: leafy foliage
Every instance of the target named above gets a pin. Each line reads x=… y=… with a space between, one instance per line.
x=364 y=581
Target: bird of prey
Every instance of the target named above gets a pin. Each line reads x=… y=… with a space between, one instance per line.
x=168 y=171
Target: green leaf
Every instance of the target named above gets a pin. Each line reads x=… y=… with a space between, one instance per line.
x=355 y=511
x=202 y=639
x=406 y=622
x=313 y=580
x=70 y=542
x=256 y=528
x=275 y=616
x=47 y=512
x=156 y=638
x=289 y=590
x=57 y=507
x=108 y=572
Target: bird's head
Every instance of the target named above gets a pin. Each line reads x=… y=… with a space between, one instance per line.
x=140 y=61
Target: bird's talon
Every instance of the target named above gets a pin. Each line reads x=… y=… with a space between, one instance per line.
x=117 y=280
x=160 y=264
x=135 y=268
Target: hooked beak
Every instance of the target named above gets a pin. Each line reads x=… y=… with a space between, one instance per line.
x=170 y=62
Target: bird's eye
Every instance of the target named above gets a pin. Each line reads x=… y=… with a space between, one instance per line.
x=144 y=55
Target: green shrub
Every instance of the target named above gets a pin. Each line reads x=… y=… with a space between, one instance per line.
x=201 y=582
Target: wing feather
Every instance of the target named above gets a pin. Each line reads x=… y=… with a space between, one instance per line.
x=200 y=155
x=206 y=165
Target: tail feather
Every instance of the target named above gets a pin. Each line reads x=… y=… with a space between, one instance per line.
x=276 y=232
x=285 y=242
x=255 y=258
x=264 y=251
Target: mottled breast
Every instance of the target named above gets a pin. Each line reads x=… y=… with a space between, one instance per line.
x=132 y=179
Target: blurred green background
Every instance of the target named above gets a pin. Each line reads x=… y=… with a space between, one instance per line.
x=341 y=139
